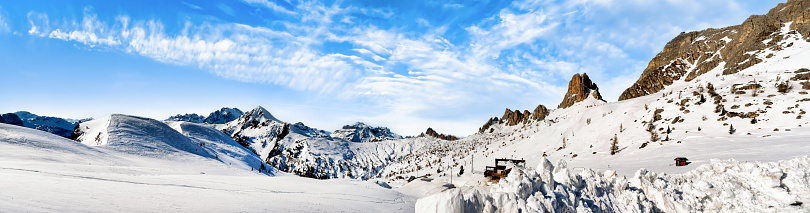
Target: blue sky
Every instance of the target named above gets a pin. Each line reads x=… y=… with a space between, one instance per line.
x=407 y=65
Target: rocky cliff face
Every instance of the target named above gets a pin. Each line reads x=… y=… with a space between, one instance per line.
x=360 y=132
x=579 y=88
x=432 y=133
x=731 y=48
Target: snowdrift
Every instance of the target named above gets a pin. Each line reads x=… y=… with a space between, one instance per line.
x=726 y=186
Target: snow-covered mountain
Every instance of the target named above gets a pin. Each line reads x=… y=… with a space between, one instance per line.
x=132 y=135
x=220 y=116
x=193 y=118
x=740 y=93
x=58 y=126
x=42 y=172
x=360 y=132
x=309 y=152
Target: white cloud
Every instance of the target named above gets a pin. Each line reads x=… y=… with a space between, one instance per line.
x=423 y=22
x=36 y=19
x=452 y=6
x=3 y=22
x=226 y=9
x=192 y=6
x=520 y=57
x=86 y=33
x=271 y=5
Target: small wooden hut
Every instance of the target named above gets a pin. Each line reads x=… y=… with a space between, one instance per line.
x=680 y=161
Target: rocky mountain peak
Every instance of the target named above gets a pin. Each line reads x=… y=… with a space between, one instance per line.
x=432 y=133
x=261 y=114
x=220 y=116
x=224 y=115
x=732 y=49
x=579 y=88
x=193 y=117
x=361 y=132
x=511 y=118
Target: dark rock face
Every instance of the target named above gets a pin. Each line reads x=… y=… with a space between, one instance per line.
x=540 y=113
x=707 y=49
x=432 y=133
x=490 y=122
x=579 y=88
x=11 y=118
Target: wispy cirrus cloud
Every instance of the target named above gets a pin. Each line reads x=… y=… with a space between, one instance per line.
x=4 y=26
x=423 y=70
x=192 y=6
x=271 y=5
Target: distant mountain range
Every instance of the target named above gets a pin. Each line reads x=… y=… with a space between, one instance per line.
x=58 y=126
x=220 y=116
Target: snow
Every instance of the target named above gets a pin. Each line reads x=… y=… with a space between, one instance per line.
x=59 y=126
x=125 y=163
x=44 y=172
x=725 y=186
x=360 y=132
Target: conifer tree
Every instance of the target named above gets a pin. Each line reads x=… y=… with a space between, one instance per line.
x=614 y=147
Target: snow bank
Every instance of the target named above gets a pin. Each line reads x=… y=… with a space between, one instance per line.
x=724 y=186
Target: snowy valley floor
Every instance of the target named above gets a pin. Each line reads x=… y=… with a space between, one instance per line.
x=41 y=172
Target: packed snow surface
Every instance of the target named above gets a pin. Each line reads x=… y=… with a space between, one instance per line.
x=42 y=172
x=724 y=186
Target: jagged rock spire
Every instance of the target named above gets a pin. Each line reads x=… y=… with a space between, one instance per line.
x=579 y=88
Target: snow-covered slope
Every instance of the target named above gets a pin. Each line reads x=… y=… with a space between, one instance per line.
x=727 y=186
x=360 y=132
x=221 y=145
x=140 y=136
x=150 y=138
x=309 y=152
x=42 y=172
x=58 y=126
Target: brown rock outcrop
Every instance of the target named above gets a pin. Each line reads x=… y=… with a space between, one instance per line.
x=432 y=133
x=579 y=88
x=489 y=123
x=516 y=117
x=512 y=118
x=707 y=49
x=540 y=113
